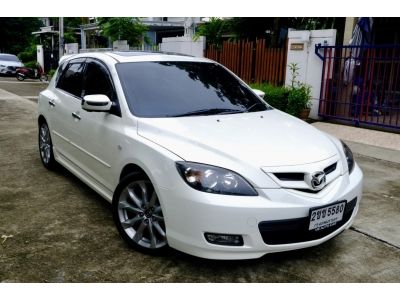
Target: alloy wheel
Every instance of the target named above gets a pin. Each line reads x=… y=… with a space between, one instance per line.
x=140 y=215
x=45 y=143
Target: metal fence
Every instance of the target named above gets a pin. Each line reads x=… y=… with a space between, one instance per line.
x=140 y=48
x=361 y=84
x=50 y=58
x=251 y=61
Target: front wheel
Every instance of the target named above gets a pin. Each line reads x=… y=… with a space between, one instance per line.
x=44 y=78
x=20 y=77
x=138 y=216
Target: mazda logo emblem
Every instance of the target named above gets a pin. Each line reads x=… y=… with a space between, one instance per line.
x=318 y=180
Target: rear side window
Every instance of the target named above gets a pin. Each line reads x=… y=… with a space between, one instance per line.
x=98 y=80
x=71 y=79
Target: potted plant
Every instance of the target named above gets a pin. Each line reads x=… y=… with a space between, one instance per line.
x=299 y=101
x=299 y=97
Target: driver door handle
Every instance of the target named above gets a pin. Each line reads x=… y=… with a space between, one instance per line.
x=76 y=116
x=52 y=103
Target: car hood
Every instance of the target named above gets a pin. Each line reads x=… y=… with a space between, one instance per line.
x=268 y=138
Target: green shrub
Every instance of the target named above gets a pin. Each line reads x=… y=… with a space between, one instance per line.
x=29 y=54
x=31 y=64
x=276 y=96
x=298 y=99
x=51 y=73
x=292 y=99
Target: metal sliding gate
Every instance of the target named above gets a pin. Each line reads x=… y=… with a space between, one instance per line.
x=361 y=84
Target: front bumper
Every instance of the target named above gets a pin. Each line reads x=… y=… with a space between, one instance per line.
x=189 y=214
x=8 y=70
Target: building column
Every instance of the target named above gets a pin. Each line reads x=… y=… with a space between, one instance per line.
x=83 y=39
x=348 y=29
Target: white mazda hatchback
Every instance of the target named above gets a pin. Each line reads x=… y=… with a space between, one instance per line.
x=192 y=158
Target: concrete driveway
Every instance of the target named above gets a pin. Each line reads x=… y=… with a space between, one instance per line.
x=28 y=89
x=55 y=229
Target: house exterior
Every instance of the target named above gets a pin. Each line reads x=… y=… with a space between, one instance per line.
x=159 y=28
x=162 y=27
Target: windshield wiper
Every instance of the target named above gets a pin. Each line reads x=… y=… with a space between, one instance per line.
x=209 y=111
x=256 y=104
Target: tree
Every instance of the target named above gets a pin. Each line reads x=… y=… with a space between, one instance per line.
x=16 y=33
x=213 y=30
x=273 y=30
x=251 y=28
x=71 y=27
x=130 y=29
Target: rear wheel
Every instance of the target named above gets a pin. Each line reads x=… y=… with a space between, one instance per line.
x=138 y=215
x=20 y=77
x=46 y=147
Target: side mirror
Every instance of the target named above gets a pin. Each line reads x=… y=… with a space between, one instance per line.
x=259 y=93
x=96 y=103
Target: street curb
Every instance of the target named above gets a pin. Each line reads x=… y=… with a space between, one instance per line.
x=377 y=138
x=375 y=152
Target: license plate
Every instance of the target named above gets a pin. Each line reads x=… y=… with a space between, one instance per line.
x=326 y=216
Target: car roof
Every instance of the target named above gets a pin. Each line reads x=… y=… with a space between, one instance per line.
x=7 y=54
x=136 y=56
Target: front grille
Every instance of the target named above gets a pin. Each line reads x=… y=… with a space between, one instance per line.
x=290 y=176
x=330 y=169
x=296 y=230
x=300 y=176
x=11 y=68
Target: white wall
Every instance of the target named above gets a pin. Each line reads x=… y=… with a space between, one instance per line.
x=120 y=45
x=309 y=63
x=40 y=55
x=72 y=48
x=184 y=45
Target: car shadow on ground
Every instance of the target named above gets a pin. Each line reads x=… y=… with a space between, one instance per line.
x=85 y=189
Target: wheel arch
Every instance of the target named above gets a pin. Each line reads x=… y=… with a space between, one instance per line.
x=41 y=120
x=131 y=168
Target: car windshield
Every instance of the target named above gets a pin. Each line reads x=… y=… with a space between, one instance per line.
x=180 y=88
x=8 y=57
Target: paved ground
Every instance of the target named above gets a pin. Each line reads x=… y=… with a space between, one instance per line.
x=361 y=135
x=28 y=88
x=55 y=229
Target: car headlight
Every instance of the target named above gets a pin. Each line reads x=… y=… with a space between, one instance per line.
x=349 y=157
x=215 y=180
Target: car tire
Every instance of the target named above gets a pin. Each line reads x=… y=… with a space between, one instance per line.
x=138 y=215
x=44 y=78
x=46 y=147
x=20 y=77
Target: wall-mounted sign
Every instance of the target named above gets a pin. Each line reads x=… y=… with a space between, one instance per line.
x=297 y=46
